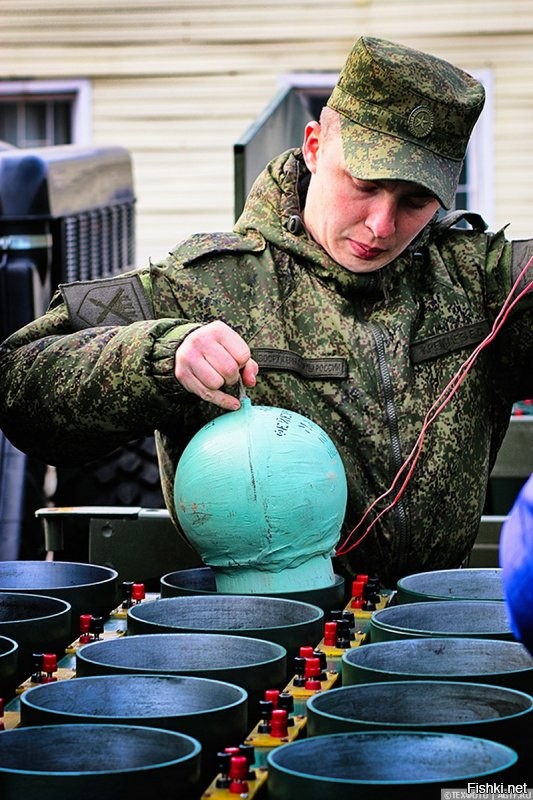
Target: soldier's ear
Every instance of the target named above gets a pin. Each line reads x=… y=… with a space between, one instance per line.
x=311 y=144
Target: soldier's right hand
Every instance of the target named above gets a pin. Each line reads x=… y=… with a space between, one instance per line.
x=211 y=357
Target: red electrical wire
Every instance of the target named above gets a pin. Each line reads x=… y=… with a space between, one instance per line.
x=440 y=403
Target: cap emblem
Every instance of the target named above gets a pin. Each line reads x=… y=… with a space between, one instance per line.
x=420 y=122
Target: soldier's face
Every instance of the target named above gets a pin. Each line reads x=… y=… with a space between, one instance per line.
x=362 y=225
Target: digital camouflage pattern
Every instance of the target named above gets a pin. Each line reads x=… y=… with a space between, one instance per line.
x=405 y=115
x=71 y=393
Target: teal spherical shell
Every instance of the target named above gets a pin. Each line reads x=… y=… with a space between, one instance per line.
x=262 y=488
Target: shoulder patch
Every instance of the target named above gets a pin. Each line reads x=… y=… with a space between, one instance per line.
x=119 y=300
x=204 y=244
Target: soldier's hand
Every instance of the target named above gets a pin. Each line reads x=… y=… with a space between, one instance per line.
x=211 y=357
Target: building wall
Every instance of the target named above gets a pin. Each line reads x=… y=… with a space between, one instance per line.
x=177 y=83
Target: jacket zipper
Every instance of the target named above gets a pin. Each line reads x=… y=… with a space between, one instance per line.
x=391 y=417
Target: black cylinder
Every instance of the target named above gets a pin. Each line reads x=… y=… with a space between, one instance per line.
x=8 y=665
x=450 y=658
x=89 y=588
x=383 y=765
x=38 y=624
x=469 y=709
x=97 y=761
x=484 y=619
x=482 y=583
x=213 y=712
x=253 y=664
x=286 y=622
x=201 y=580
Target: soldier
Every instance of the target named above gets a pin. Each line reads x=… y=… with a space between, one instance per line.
x=339 y=294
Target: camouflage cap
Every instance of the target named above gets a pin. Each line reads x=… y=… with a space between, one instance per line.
x=405 y=115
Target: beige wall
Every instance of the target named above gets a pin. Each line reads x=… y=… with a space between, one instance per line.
x=177 y=83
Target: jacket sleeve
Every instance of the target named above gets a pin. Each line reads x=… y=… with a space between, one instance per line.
x=70 y=394
x=493 y=264
x=515 y=339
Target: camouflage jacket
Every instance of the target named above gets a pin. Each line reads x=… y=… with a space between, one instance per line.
x=364 y=355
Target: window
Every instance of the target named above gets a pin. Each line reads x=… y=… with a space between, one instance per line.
x=44 y=113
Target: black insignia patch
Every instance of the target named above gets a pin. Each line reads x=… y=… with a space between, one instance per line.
x=109 y=301
x=325 y=368
x=442 y=343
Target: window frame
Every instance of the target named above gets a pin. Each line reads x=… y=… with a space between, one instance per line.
x=80 y=90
